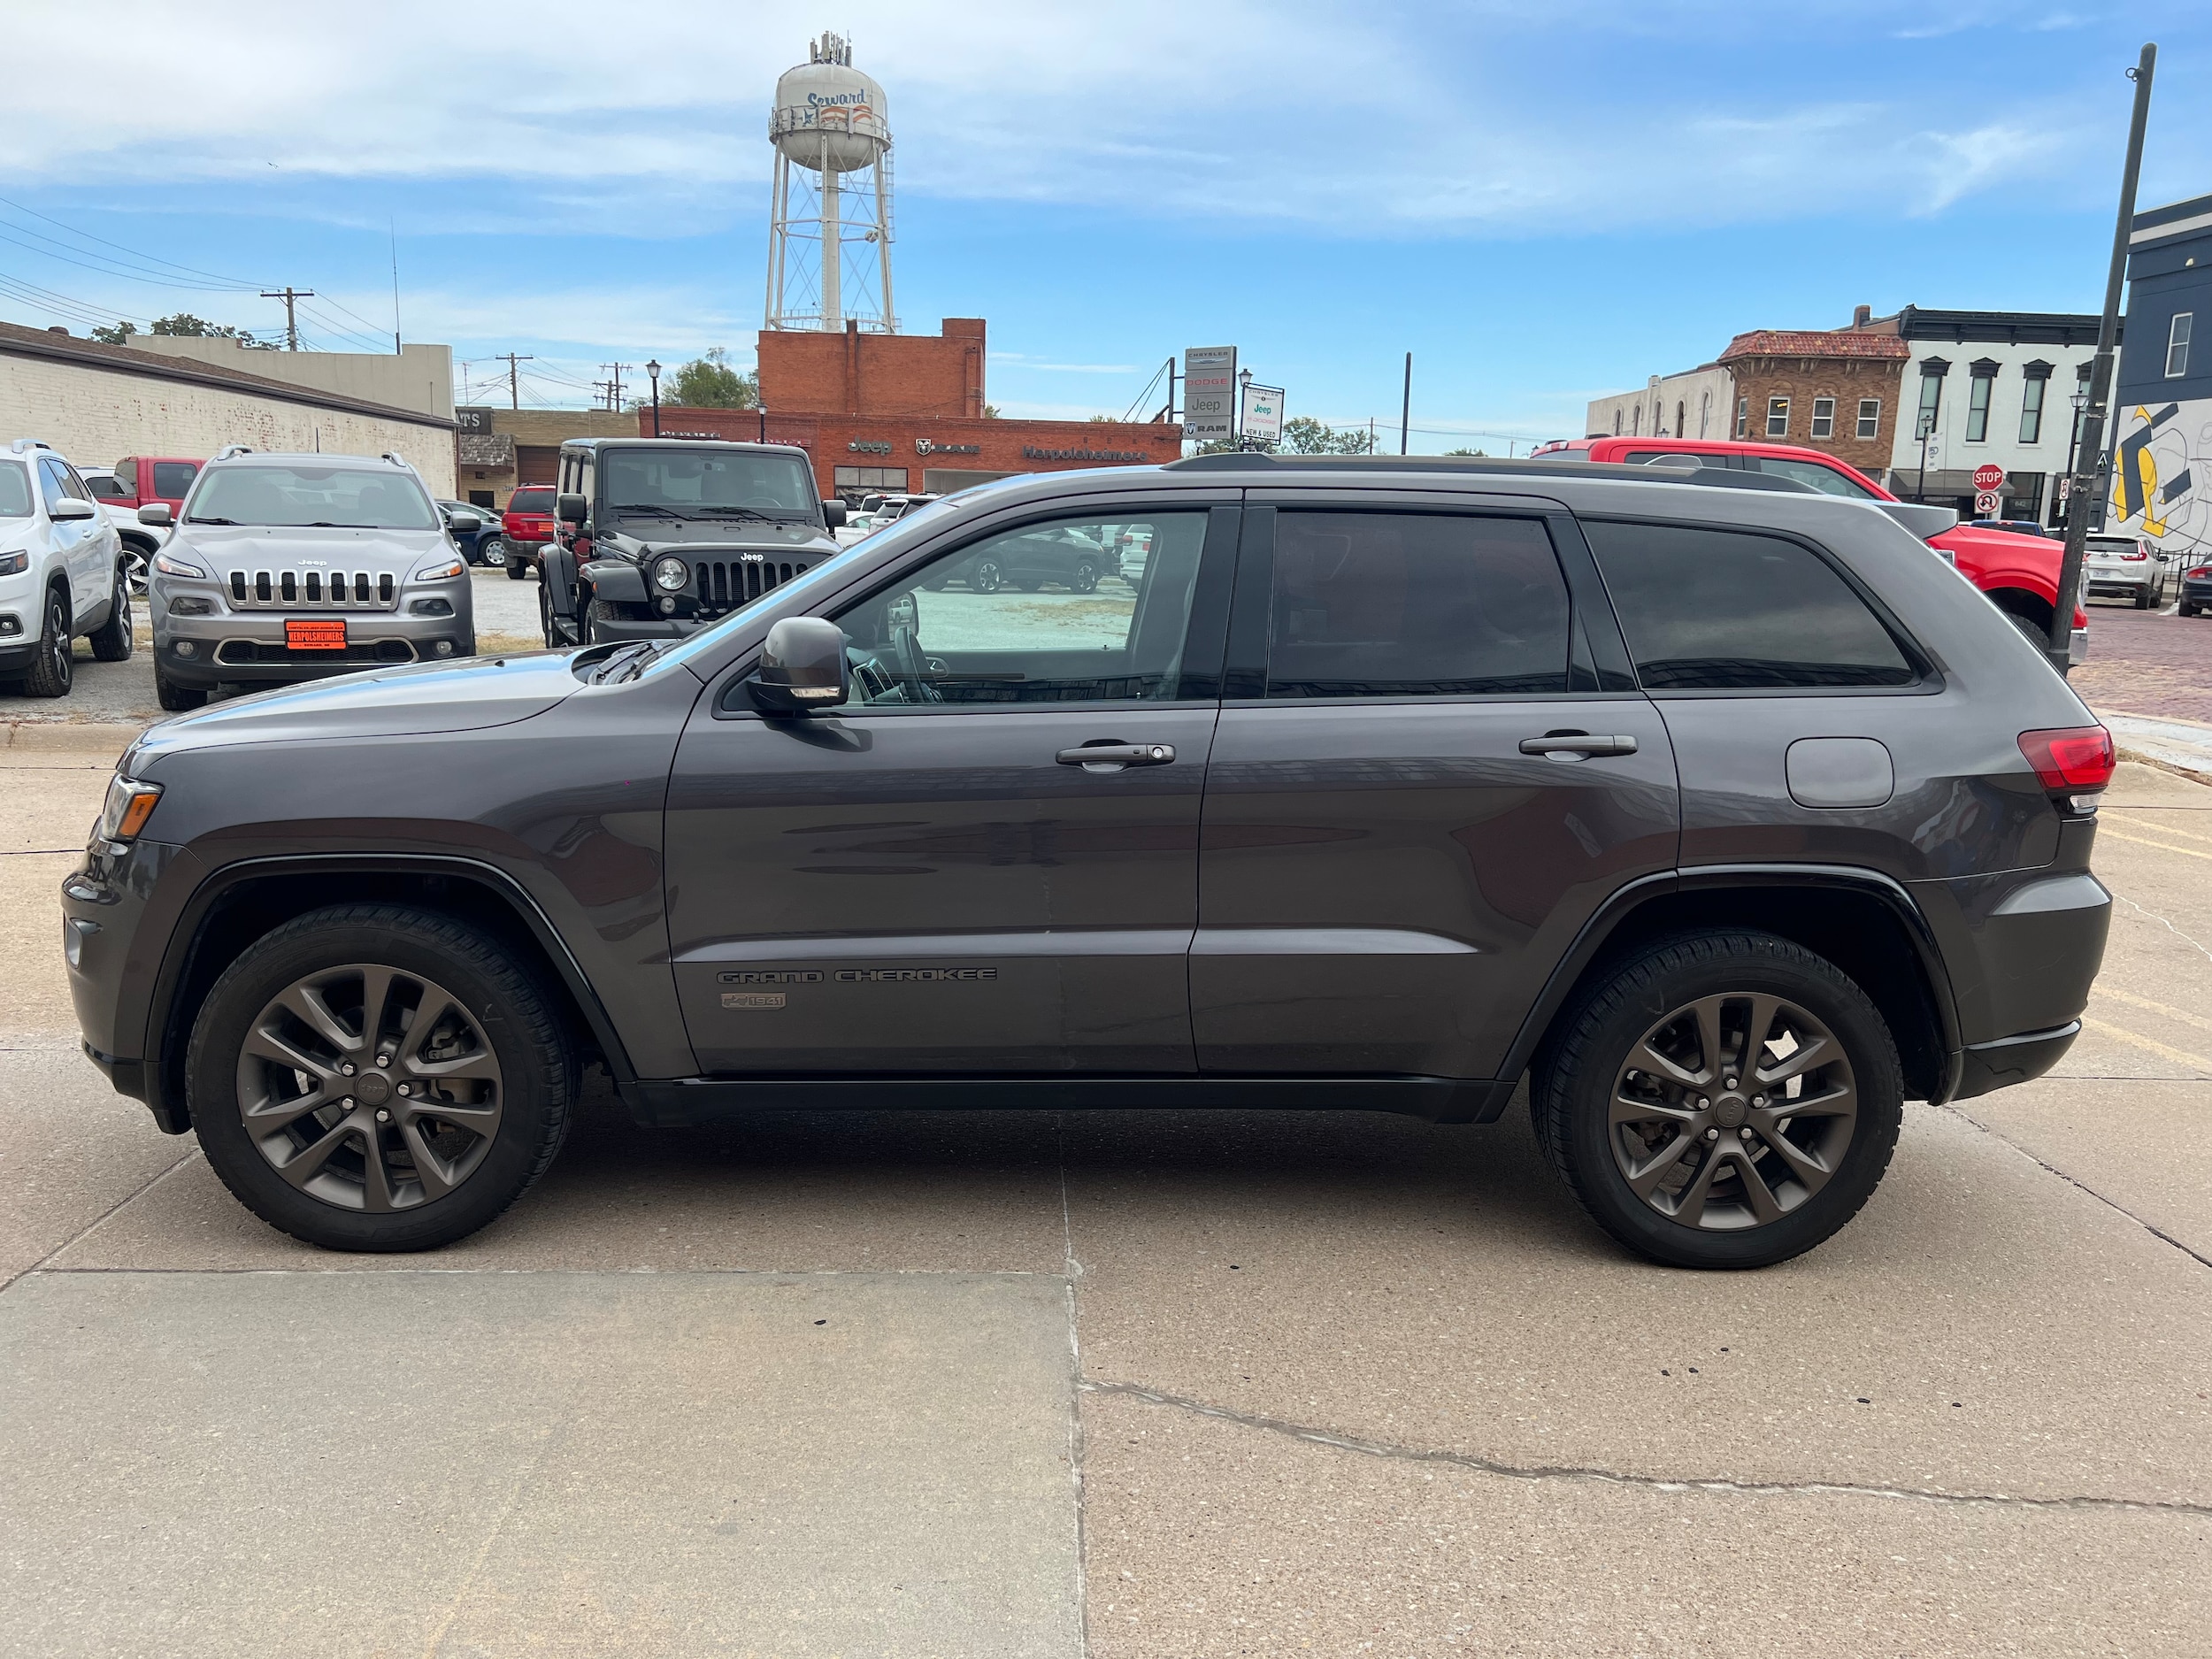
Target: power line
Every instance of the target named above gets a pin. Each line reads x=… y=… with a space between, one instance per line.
x=289 y=295
x=153 y=259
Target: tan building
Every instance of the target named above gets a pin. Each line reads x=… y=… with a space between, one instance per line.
x=496 y=449
x=419 y=377
x=1835 y=391
x=96 y=404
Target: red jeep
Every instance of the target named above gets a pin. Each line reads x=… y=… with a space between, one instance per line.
x=149 y=479
x=527 y=526
x=2018 y=572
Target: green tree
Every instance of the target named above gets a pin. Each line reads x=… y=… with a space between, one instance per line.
x=709 y=382
x=1302 y=435
x=1480 y=453
x=183 y=325
x=117 y=336
x=990 y=412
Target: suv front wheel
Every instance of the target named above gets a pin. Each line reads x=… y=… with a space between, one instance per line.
x=371 y=1077
x=1721 y=1100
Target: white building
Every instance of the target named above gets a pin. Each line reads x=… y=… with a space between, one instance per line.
x=96 y=404
x=1692 y=405
x=418 y=377
x=1987 y=387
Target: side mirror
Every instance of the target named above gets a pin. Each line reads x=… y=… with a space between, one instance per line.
x=466 y=523
x=803 y=666
x=70 y=507
x=833 y=512
x=157 y=513
x=573 y=509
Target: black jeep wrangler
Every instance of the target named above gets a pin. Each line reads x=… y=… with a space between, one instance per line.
x=655 y=538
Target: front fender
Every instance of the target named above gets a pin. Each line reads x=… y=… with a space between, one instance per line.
x=616 y=580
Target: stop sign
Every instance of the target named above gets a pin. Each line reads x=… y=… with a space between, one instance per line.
x=1989 y=475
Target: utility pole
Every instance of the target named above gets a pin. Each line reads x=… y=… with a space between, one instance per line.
x=2078 y=500
x=1405 y=409
x=614 y=385
x=514 y=390
x=289 y=295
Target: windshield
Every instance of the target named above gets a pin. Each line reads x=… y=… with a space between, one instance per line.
x=823 y=576
x=696 y=482
x=301 y=497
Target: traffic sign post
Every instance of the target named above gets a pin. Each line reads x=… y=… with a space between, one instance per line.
x=1986 y=503
x=1989 y=476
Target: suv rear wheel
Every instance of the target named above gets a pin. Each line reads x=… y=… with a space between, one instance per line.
x=516 y=563
x=371 y=1077
x=111 y=640
x=1721 y=1100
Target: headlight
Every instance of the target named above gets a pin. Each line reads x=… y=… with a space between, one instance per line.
x=439 y=570
x=169 y=564
x=14 y=563
x=671 y=572
x=126 y=809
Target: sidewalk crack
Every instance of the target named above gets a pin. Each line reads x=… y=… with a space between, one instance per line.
x=1657 y=1483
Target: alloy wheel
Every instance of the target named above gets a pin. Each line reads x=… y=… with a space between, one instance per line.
x=987 y=577
x=1731 y=1111
x=61 y=662
x=368 y=1089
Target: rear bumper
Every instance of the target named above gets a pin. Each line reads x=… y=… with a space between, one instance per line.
x=1986 y=1067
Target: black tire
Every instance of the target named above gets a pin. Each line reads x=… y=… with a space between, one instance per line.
x=2037 y=634
x=1085 y=577
x=2143 y=598
x=111 y=640
x=613 y=611
x=53 y=669
x=518 y=564
x=2186 y=611
x=547 y=625
x=987 y=576
x=1588 y=1057
x=175 y=698
x=506 y=1012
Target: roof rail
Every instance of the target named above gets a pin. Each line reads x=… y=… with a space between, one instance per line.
x=229 y=450
x=396 y=458
x=24 y=446
x=1716 y=477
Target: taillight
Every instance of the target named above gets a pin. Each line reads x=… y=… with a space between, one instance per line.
x=2201 y=574
x=2071 y=760
x=2133 y=558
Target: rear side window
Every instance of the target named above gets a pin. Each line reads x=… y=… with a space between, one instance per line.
x=172 y=479
x=1410 y=605
x=1720 y=610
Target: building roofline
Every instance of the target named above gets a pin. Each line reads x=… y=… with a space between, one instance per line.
x=2056 y=328
x=2176 y=221
x=19 y=340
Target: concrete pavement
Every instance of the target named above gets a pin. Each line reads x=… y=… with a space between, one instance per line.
x=1345 y=1384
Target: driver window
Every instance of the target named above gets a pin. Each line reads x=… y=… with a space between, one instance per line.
x=1068 y=611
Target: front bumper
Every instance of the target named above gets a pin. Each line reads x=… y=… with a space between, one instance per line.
x=248 y=648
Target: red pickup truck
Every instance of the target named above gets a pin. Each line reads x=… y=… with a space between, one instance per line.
x=149 y=478
x=2018 y=572
x=526 y=526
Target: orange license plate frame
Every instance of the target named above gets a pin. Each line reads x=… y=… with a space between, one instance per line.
x=315 y=634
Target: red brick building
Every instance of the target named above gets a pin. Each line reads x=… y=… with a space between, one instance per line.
x=904 y=412
x=1833 y=391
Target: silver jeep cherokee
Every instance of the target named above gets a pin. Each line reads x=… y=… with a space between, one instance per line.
x=292 y=567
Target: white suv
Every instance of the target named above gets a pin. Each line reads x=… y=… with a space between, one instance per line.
x=61 y=572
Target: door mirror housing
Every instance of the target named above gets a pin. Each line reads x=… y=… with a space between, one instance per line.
x=466 y=523
x=833 y=512
x=571 y=508
x=70 y=507
x=803 y=666
x=157 y=513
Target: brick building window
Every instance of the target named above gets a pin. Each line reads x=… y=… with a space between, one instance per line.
x=1932 y=373
x=1743 y=416
x=2031 y=394
x=2177 y=345
x=1824 y=417
x=1977 y=395
x=1778 y=417
x=1869 y=417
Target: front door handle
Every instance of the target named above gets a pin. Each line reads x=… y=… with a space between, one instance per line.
x=1115 y=756
x=1577 y=743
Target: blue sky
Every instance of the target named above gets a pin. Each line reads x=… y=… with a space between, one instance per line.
x=1543 y=202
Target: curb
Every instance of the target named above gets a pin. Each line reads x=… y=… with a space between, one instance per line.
x=2143 y=757
x=75 y=737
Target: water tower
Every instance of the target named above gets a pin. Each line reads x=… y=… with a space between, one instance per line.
x=832 y=201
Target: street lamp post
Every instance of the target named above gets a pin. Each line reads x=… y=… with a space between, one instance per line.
x=653 y=370
x=2080 y=401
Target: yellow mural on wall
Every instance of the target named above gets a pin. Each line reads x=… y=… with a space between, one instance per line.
x=2161 y=476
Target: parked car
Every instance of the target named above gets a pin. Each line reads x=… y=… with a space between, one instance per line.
x=139 y=542
x=476 y=532
x=2018 y=572
x=525 y=527
x=1421 y=778
x=886 y=509
x=147 y=479
x=2196 y=590
x=1057 y=556
x=62 y=575
x=293 y=567
x=658 y=538
x=2124 y=567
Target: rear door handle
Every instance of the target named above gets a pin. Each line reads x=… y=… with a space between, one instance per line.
x=1115 y=756
x=1577 y=743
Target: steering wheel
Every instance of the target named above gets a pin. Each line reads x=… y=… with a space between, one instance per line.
x=913 y=667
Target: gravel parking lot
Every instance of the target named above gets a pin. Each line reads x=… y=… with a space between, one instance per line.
x=1133 y=1384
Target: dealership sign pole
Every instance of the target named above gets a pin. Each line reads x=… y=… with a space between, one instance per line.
x=2078 y=496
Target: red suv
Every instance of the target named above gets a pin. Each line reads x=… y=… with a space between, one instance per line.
x=2018 y=572
x=527 y=526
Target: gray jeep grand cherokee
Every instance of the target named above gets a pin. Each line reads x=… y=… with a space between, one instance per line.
x=1730 y=818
